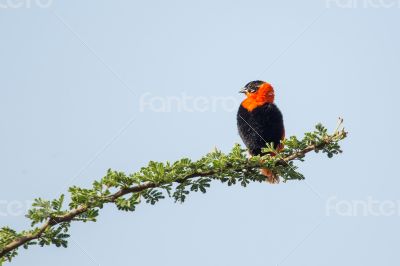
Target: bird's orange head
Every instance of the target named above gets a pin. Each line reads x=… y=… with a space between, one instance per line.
x=257 y=93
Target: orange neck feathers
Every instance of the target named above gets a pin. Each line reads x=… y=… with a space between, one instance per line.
x=265 y=94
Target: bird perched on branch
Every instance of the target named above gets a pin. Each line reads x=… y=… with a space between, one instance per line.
x=260 y=121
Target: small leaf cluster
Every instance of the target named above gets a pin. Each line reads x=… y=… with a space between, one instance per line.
x=43 y=209
x=7 y=235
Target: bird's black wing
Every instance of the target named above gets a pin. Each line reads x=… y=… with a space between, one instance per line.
x=262 y=125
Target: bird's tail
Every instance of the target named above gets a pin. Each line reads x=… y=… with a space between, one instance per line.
x=271 y=177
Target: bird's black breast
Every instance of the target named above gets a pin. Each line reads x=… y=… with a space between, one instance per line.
x=262 y=125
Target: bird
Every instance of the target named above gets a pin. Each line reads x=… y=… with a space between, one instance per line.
x=260 y=121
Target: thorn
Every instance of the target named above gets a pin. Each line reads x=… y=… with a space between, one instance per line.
x=339 y=124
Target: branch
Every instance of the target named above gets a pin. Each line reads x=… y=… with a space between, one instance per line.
x=183 y=176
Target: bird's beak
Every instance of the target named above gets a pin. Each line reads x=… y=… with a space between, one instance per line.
x=244 y=90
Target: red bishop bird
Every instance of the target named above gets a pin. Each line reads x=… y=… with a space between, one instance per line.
x=260 y=121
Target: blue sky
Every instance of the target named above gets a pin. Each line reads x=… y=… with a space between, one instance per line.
x=92 y=85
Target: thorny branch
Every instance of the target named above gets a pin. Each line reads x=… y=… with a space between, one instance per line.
x=184 y=174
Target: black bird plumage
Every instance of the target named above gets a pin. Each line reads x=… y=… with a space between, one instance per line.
x=262 y=125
